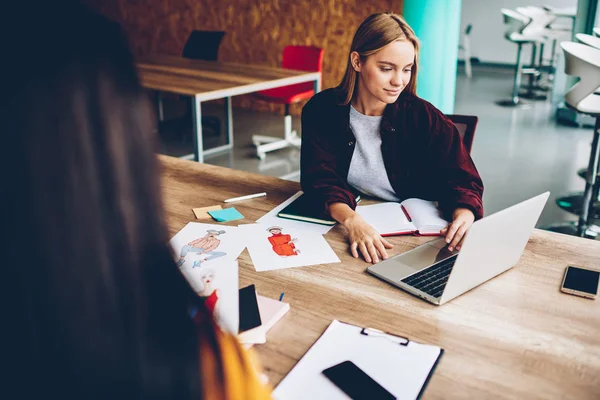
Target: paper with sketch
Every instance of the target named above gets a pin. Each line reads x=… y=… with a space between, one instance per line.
x=271 y=218
x=205 y=255
x=218 y=286
x=205 y=244
x=285 y=246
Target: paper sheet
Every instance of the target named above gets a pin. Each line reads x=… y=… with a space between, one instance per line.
x=271 y=218
x=206 y=244
x=205 y=255
x=283 y=245
x=401 y=370
x=218 y=285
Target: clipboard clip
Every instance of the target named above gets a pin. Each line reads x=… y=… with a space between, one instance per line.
x=372 y=332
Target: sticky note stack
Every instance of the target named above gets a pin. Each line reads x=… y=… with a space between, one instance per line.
x=225 y=215
x=202 y=212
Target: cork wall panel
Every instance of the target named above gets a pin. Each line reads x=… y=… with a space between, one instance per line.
x=257 y=31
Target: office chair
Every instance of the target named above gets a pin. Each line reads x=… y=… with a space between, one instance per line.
x=302 y=58
x=200 y=45
x=204 y=45
x=466 y=125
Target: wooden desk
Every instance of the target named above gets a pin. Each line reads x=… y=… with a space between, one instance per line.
x=210 y=80
x=515 y=336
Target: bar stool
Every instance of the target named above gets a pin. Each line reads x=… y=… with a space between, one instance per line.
x=584 y=62
x=541 y=25
x=515 y=24
x=573 y=203
x=466 y=48
x=593 y=41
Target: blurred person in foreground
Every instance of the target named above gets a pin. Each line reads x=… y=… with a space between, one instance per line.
x=93 y=305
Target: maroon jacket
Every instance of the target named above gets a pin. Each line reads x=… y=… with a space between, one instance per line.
x=422 y=151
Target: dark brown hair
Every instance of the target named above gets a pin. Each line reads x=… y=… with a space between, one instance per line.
x=93 y=305
x=374 y=33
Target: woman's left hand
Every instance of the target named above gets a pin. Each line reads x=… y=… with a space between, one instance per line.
x=462 y=219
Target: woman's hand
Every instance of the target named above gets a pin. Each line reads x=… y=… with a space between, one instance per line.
x=361 y=235
x=462 y=219
x=365 y=238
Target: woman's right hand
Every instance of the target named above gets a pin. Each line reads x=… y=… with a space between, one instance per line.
x=364 y=238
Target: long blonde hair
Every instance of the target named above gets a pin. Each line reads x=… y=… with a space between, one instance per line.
x=376 y=32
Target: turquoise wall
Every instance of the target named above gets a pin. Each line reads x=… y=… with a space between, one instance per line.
x=437 y=25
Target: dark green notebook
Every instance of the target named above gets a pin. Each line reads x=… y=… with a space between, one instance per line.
x=305 y=209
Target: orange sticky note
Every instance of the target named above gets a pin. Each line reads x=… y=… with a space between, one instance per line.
x=202 y=212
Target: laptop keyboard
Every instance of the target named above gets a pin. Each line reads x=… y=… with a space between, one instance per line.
x=432 y=280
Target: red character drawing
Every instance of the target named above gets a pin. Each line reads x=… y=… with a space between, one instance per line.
x=283 y=244
x=210 y=295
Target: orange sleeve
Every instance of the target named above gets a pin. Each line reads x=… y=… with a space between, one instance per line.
x=240 y=369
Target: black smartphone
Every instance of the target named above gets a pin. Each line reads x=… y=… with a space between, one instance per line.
x=248 y=309
x=581 y=282
x=355 y=383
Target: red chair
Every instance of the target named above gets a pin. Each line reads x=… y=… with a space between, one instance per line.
x=302 y=58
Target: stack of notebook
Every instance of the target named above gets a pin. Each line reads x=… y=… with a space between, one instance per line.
x=258 y=314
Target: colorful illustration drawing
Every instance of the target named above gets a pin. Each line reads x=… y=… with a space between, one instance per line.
x=204 y=247
x=207 y=292
x=283 y=244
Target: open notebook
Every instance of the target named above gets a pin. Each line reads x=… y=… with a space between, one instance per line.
x=416 y=216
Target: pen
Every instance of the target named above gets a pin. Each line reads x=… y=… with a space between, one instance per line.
x=250 y=196
x=281 y=296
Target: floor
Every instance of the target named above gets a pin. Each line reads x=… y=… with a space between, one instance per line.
x=519 y=152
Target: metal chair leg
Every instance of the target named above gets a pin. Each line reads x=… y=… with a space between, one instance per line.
x=265 y=144
x=515 y=101
x=534 y=73
x=590 y=184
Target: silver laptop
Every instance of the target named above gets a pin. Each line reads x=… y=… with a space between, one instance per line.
x=492 y=245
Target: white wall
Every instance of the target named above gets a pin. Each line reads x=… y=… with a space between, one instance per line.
x=487 y=35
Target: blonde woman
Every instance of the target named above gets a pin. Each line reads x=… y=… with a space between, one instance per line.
x=373 y=135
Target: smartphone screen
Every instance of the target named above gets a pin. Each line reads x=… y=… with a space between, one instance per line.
x=582 y=280
x=355 y=383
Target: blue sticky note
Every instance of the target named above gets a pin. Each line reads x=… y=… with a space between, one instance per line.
x=226 y=214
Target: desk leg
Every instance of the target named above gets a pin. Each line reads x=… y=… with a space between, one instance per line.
x=197 y=118
x=229 y=122
x=228 y=131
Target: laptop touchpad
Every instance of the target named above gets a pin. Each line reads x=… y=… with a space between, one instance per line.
x=423 y=256
x=405 y=264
